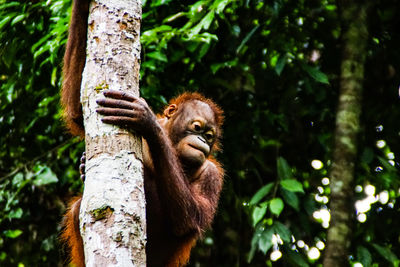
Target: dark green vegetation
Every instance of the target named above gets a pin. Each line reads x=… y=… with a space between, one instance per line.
x=274 y=67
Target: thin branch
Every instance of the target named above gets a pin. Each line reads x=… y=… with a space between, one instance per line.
x=51 y=151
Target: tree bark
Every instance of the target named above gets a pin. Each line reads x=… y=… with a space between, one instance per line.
x=354 y=41
x=112 y=215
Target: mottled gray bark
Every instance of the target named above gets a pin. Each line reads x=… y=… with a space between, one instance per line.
x=354 y=41
x=112 y=216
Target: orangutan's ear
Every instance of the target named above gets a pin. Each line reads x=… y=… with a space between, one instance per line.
x=170 y=110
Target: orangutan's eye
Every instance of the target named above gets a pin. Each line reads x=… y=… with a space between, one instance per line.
x=209 y=135
x=196 y=125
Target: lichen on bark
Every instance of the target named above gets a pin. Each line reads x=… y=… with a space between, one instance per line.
x=112 y=216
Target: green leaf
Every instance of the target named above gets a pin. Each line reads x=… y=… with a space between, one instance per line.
x=149 y=64
x=282 y=231
x=206 y=21
x=220 y=5
x=259 y=212
x=17 y=19
x=228 y=64
x=292 y=185
x=203 y=24
x=276 y=206
x=265 y=241
x=386 y=253
x=15 y=214
x=158 y=3
x=246 y=39
x=4 y=21
x=280 y=64
x=10 y=4
x=295 y=258
x=254 y=242
x=331 y=8
x=284 y=171
x=12 y=233
x=45 y=176
x=40 y=42
x=262 y=192
x=316 y=74
x=386 y=165
x=291 y=199
x=54 y=76
x=203 y=51
x=364 y=256
x=309 y=204
x=18 y=178
x=158 y=55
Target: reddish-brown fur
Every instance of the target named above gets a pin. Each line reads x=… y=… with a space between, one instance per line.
x=166 y=246
x=181 y=199
x=74 y=62
x=71 y=234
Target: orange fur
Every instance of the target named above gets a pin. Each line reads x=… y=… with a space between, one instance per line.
x=182 y=256
x=187 y=96
x=71 y=233
x=74 y=62
x=190 y=96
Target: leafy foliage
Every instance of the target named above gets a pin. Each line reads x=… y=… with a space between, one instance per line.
x=273 y=66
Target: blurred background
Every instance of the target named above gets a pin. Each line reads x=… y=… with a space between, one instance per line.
x=274 y=67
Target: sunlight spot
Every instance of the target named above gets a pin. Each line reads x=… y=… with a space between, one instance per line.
x=313 y=253
x=320 y=189
x=300 y=21
x=318 y=198
x=390 y=155
x=357 y=264
x=362 y=206
x=391 y=162
x=325 y=199
x=379 y=169
x=317 y=164
x=275 y=255
x=361 y=217
x=380 y=143
x=317 y=215
x=276 y=239
x=358 y=189
x=384 y=197
x=325 y=181
x=300 y=244
x=369 y=190
x=320 y=245
x=379 y=128
x=324 y=216
x=315 y=55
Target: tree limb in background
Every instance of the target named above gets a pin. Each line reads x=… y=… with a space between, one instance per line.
x=354 y=41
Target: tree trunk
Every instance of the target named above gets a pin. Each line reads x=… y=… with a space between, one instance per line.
x=354 y=41
x=112 y=215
